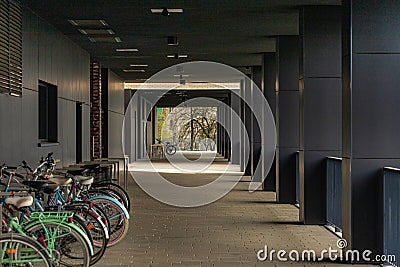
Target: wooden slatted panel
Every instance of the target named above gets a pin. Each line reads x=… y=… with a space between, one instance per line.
x=4 y=48
x=10 y=47
x=15 y=30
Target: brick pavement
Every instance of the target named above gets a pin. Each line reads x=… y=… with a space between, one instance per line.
x=228 y=232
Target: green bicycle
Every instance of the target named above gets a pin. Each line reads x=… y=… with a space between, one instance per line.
x=66 y=243
x=18 y=250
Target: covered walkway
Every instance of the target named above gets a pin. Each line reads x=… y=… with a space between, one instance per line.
x=228 y=232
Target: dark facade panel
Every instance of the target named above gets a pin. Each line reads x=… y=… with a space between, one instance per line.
x=321 y=42
x=375 y=106
x=377 y=19
x=322 y=114
x=287 y=63
x=51 y=57
x=288 y=119
x=286 y=175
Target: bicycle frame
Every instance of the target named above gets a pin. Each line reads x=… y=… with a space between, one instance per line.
x=42 y=218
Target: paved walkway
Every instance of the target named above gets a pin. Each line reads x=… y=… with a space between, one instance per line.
x=228 y=232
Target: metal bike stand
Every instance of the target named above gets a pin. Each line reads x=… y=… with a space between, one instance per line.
x=115 y=163
x=125 y=161
x=98 y=161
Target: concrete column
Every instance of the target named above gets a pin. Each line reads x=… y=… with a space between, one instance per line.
x=256 y=131
x=222 y=114
x=227 y=117
x=242 y=129
x=320 y=105
x=371 y=111
x=247 y=122
x=235 y=128
x=269 y=80
x=287 y=116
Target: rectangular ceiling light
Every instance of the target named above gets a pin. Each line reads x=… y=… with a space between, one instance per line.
x=138 y=65
x=88 y=22
x=177 y=56
x=96 y=31
x=105 y=39
x=130 y=70
x=126 y=50
x=175 y=10
x=170 y=10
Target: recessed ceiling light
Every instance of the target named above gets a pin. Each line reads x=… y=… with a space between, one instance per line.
x=105 y=39
x=15 y=94
x=177 y=56
x=88 y=22
x=126 y=50
x=138 y=65
x=130 y=70
x=172 y=40
x=96 y=31
x=169 y=10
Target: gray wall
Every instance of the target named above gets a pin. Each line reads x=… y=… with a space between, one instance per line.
x=49 y=56
x=115 y=114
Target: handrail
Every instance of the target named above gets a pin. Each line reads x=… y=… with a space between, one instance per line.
x=297 y=155
x=335 y=158
x=334 y=192
x=390 y=216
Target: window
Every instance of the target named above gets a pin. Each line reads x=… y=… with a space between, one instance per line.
x=48 y=115
x=10 y=47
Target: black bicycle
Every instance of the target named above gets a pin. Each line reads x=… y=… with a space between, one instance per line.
x=169 y=148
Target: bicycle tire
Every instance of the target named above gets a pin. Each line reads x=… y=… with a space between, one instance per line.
x=112 y=193
x=97 y=232
x=170 y=150
x=117 y=188
x=61 y=242
x=43 y=256
x=117 y=218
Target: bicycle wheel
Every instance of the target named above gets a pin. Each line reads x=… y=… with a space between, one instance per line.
x=92 y=207
x=97 y=231
x=119 y=189
x=18 y=250
x=170 y=150
x=119 y=224
x=112 y=193
x=65 y=244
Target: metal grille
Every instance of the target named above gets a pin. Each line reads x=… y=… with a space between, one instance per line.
x=10 y=47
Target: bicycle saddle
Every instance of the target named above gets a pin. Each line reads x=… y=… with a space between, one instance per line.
x=84 y=180
x=60 y=180
x=45 y=186
x=19 y=202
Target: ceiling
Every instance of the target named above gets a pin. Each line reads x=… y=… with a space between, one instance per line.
x=233 y=32
x=175 y=97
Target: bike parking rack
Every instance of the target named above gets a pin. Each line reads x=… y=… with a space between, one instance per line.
x=117 y=160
